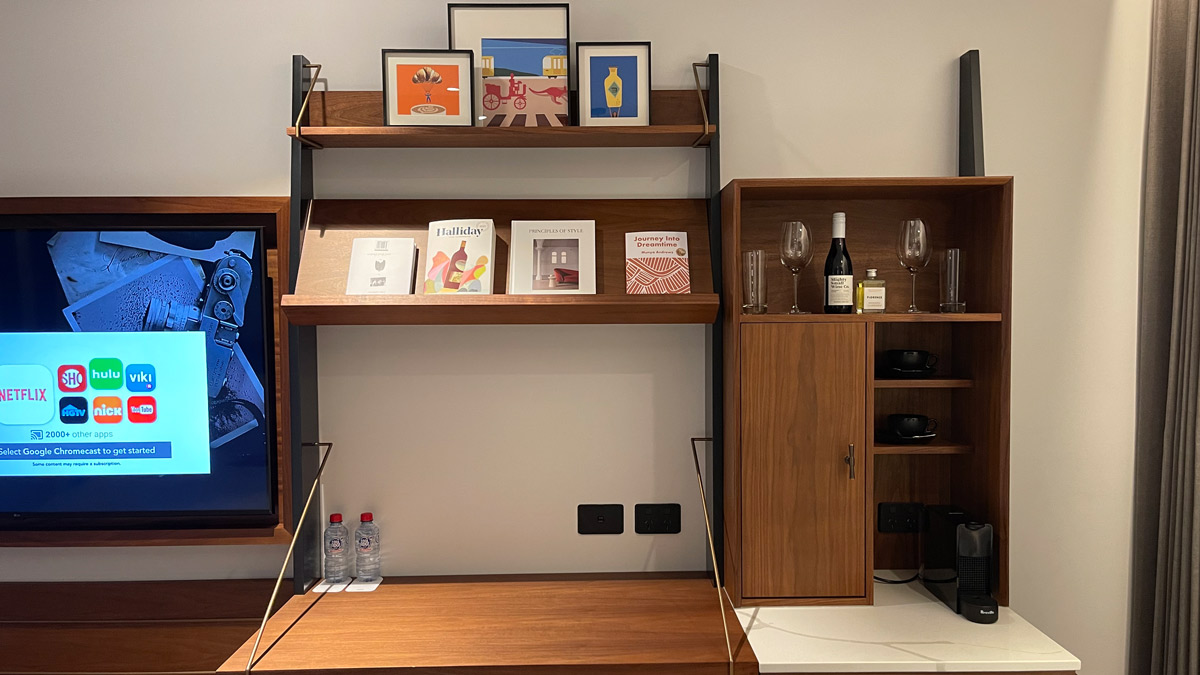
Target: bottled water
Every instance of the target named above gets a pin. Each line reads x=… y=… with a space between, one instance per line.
x=337 y=554
x=366 y=548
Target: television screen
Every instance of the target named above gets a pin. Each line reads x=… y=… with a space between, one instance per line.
x=135 y=377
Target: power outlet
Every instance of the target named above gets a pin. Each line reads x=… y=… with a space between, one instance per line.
x=601 y=518
x=899 y=517
x=657 y=519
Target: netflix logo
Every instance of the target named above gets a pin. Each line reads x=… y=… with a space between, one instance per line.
x=25 y=395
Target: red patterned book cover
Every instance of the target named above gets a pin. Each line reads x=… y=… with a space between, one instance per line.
x=656 y=263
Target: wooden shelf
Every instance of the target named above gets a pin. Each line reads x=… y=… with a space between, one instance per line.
x=935 y=448
x=932 y=317
x=931 y=383
x=655 y=136
x=250 y=537
x=395 y=310
x=668 y=627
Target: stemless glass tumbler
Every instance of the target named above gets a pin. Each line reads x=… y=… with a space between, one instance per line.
x=754 y=283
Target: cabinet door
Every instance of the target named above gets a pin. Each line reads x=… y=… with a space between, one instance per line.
x=803 y=525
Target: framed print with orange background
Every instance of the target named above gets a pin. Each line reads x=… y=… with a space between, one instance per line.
x=428 y=87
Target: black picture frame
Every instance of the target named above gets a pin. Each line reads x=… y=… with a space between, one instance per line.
x=454 y=53
x=572 y=94
x=579 y=96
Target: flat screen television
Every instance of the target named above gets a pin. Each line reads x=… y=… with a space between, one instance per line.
x=136 y=375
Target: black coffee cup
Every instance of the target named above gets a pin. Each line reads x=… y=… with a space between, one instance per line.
x=909 y=425
x=910 y=359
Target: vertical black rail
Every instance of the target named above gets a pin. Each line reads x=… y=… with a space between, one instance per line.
x=716 y=331
x=970 y=116
x=302 y=358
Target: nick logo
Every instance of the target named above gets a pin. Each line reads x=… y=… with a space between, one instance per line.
x=72 y=378
x=106 y=409
x=73 y=410
x=25 y=395
x=139 y=377
x=142 y=409
x=105 y=373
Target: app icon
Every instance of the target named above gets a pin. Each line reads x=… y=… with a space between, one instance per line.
x=139 y=377
x=106 y=409
x=26 y=394
x=105 y=373
x=142 y=409
x=72 y=378
x=73 y=410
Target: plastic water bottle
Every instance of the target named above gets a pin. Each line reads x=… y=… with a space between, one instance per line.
x=366 y=548
x=337 y=555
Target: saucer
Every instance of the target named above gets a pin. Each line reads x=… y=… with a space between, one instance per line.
x=889 y=372
x=891 y=437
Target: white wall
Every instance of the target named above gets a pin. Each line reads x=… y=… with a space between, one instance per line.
x=133 y=97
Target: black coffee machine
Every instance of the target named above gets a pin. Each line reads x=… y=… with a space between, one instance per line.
x=956 y=562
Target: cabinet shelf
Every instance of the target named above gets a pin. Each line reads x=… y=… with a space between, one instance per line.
x=932 y=317
x=396 y=310
x=655 y=136
x=932 y=383
x=934 y=448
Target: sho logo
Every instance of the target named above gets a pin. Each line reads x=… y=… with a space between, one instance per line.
x=72 y=378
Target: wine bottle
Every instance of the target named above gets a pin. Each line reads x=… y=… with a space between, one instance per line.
x=458 y=265
x=839 y=273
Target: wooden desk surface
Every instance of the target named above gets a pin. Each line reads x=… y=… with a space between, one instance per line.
x=670 y=627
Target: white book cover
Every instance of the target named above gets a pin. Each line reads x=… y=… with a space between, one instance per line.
x=460 y=256
x=382 y=266
x=656 y=263
x=552 y=257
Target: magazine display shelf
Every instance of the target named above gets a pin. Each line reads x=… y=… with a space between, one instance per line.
x=321 y=232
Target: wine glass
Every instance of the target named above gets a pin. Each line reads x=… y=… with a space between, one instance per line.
x=912 y=248
x=795 y=252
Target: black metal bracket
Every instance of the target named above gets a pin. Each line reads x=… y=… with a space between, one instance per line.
x=716 y=383
x=970 y=116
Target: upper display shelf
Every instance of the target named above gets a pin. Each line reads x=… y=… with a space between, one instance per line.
x=354 y=119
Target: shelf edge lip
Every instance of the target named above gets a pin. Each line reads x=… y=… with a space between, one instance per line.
x=891 y=317
x=681 y=136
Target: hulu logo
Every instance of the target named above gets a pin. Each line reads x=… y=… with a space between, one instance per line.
x=106 y=373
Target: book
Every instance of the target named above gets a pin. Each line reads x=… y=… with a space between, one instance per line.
x=656 y=263
x=552 y=257
x=459 y=256
x=381 y=266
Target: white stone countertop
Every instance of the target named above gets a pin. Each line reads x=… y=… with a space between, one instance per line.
x=906 y=630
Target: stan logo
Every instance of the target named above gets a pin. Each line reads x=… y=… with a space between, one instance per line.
x=25 y=395
x=72 y=378
x=139 y=377
x=142 y=409
x=73 y=410
x=106 y=409
x=106 y=373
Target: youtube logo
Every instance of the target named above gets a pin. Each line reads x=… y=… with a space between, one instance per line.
x=72 y=378
x=142 y=409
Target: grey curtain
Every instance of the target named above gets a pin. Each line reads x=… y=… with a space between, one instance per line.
x=1165 y=601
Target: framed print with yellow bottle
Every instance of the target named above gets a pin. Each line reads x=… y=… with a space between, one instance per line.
x=614 y=83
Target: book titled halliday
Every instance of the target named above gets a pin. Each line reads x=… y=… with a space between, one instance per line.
x=551 y=257
x=656 y=263
x=459 y=256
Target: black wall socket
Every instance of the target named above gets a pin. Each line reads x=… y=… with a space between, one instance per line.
x=657 y=519
x=601 y=518
x=899 y=517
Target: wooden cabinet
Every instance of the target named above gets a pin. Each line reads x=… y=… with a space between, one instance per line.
x=803 y=387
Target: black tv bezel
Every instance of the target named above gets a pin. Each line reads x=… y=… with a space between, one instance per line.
x=50 y=521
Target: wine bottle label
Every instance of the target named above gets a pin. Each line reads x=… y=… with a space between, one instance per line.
x=839 y=289
x=873 y=298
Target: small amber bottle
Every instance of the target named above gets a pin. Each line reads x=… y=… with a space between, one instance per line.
x=870 y=296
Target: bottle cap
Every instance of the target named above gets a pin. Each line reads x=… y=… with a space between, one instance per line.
x=872 y=272
x=368 y=517
x=335 y=517
x=839 y=225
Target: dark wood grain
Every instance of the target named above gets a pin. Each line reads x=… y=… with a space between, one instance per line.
x=276 y=208
x=671 y=627
x=84 y=601
x=842 y=189
x=656 y=136
x=933 y=318
x=924 y=479
x=732 y=445
x=803 y=515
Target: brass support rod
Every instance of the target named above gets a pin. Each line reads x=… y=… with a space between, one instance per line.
x=287 y=558
x=703 y=105
x=712 y=550
x=312 y=84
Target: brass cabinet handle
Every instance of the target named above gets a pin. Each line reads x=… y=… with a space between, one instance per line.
x=850 y=460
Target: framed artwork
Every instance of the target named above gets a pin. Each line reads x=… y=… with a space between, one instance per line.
x=521 y=61
x=614 y=83
x=428 y=87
